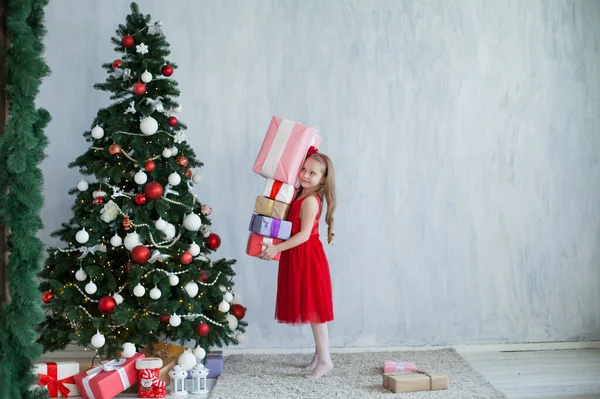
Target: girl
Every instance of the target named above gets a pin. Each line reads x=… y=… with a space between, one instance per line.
x=304 y=282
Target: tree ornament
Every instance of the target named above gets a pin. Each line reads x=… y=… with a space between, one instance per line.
x=202 y=329
x=160 y=224
x=98 y=196
x=191 y=288
x=82 y=236
x=146 y=77
x=173 y=280
x=205 y=230
x=116 y=64
x=107 y=304
x=128 y=350
x=132 y=240
x=155 y=293
x=148 y=126
x=167 y=70
x=232 y=321
x=98 y=340
x=224 y=306
x=222 y=288
x=140 y=199
x=213 y=241
x=47 y=296
x=174 y=151
x=140 y=254
x=153 y=191
x=114 y=149
x=202 y=276
x=118 y=298
x=187 y=360
x=188 y=173
x=199 y=353
x=228 y=297
x=90 y=288
x=192 y=222
x=186 y=258
x=141 y=49
x=206 y=210
x=97 y=132
x=197 y=178
x=167 y=153
x=82 y=185
x=127 y=41
x=237 y=299
x=140 y=177
x=240 y=338
x=81 y=275
x=139 y=290
x=178 y=109
x=149 y=166
x=164 y=318
x=174 y=320
x=174 y=179
x=139 y=89
x=194 y=249
x=238 y=311
x=169 y=231
x=172 y=121
x=182 y=161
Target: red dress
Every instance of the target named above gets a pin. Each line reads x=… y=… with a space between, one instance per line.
x=304 y=283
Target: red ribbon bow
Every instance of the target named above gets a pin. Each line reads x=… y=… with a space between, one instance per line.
x=53 y=384
x=312 y=150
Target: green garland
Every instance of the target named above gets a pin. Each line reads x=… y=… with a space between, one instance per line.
x=22 y=150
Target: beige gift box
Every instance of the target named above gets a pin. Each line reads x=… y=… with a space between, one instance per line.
x=414 y=381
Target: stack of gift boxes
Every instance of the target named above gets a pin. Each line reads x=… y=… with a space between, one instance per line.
x=279 y=160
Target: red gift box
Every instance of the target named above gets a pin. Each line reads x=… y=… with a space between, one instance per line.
x=109 y=379
x=256 y=244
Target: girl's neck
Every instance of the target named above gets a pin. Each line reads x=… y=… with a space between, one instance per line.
x=310 y=191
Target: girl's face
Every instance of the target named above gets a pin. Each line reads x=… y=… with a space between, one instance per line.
x=311 y=174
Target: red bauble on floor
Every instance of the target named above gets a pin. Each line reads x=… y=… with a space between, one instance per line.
x=107 y=304
x=140 y=254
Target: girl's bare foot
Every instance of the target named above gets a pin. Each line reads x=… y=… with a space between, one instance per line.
x=320 y=370
x=312 y=364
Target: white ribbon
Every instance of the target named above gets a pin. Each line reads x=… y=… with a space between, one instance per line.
x=179 y=137
x=201 y=256
x=91 y=250
x=156 y=103
x=113 y=365
x=157 y=256
x=266 y=240
x=130 y=109
x=169 y=191
x=125 y=73
x=155 y=29
x=279 y=142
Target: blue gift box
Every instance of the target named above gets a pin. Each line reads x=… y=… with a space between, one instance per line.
x=270 y=227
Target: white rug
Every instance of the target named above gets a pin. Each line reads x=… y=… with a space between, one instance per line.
x=355 y=376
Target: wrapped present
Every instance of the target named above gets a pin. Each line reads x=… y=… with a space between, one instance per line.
x=284 y=149
x=417 y=380
x=169 y=354
x=272 y=208
x=150 y=386
x=256 y=244
x=57 y=378
x=109 y=379
x=391 y=366
x=214 y=362
x=270 y=227
x=279 y=191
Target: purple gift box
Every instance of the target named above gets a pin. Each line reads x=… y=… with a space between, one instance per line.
x=270 y=227
x=214 y=364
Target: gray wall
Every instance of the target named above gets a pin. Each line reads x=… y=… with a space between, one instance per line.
x=465 y=136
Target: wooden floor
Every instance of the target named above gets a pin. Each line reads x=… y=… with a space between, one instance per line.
x=556 y=374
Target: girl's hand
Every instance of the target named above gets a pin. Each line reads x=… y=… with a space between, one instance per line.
x=269 y=252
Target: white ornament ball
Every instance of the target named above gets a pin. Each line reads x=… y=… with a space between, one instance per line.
x=90 y=288
x=155 y=293
x=199 y=353
x=237 y=299
x=116 y=241
x=174 y=320
x=232 y=321
x=82 y=185
x=167 y=153
x=98 y=340
x=174 y=151
x=174 y=179
x=139 y=290
x=146 y=77
x=224 y=307
x=169 y=231
x=197 y=178
x=222 y=288
x=191 y=288
x=148 y=126
x=132 y=240
x=194 y=249
x=228 y=297
x=192 y=222
x=82 y=236
x=173 y=280
x=97 y=132
x=81 y=275
x=240 y=337
x=178 y=109
x=128 y=350
x=160 y=224
x=118 y=298
x=187 y=360
x=140 y=177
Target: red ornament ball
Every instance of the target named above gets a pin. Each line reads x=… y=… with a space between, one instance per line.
x=140 y=199
x=139 y=89
x=167 y=70
x=140 y=254
x=165 y=318
x=172 y=121
x=182 y=161
x=188 y=173
x=149 y=166
x=127 y=41
x=186 y=258
x=114 y=149
x=116 y=63
x=203 y=276
x=202 y=329
x=213 y=241
x=47 y=296
x=153 y=191
x=238 y=311
x=107 y=304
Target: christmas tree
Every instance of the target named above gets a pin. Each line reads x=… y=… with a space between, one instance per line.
x=135 y=268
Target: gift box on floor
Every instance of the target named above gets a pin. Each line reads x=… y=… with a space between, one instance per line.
x=58 y=378
x=256 y=244
x=270 y=227
x=279 y=191
x=284 y=149
x=271 y=208
x=169 y=354
x=107 y=380
x=414 y=381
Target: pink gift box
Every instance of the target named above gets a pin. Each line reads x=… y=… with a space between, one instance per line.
x=109 y=379
x=284 y=150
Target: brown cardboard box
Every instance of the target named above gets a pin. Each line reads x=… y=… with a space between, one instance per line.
x=386 y=378
x=414 y=381
x=169 y=354
x=269 y=207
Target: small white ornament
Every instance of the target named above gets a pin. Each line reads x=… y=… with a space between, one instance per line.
x=109 y=212
x=192 y=222
x=116 y=241
x=97 y=132
x=140 y=177
x=187 y=360
x=90 y=288
x=222 y=288
x=224 y=307
x=174 y=320
x=194 y=249
x=82 y=236
x=237 y=299
x=82 y=185
x=155 y=293
x=118 y=298
x=139 y=290
x=240 y=337
x=132 y=240
x=81 y=275
x=146 y=77
x=174 y=151
x=232 y=321
x=228 y=297
x=205 y=231
x=128 y=350
x=141 y=48
x=98 y=340
x=169 y=231
x=148 y=126
x=177 y=109
x=178 y=378
x=174 y=179
x=191 y=288
x=199 y=353
x=173 y=280
x=197 y=178
x=167 y=153
x=160 y=224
